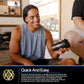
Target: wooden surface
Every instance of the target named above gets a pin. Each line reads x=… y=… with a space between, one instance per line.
x=4 y=57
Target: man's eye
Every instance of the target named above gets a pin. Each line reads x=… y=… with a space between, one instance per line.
x=32 y=17
x=37 y=15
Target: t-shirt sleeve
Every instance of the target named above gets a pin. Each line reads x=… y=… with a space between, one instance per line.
x=77 y=9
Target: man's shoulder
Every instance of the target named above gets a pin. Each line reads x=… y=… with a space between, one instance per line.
x=47 y=31
x=48 y=34
x=16 y=33
x=42 y=27
x=17 y=28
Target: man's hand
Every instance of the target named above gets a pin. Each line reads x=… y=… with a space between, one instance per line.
x=55 y=54
x=61 y=51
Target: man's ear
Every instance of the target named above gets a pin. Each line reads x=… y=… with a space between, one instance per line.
x=26 y=19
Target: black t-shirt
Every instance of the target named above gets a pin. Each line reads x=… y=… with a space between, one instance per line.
x=78 y=9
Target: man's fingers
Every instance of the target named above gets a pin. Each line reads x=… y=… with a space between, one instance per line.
x=63 y=50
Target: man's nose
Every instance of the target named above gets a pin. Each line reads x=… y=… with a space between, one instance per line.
x=35 y=19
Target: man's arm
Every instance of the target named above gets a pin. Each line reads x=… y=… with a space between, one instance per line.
x=79 y=23
x=14 y=48
x=77 y=14
x=49 y=43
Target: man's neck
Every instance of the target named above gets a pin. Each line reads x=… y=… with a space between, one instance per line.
x=31 y=29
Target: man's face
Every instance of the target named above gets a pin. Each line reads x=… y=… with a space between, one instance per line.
x=33 y=18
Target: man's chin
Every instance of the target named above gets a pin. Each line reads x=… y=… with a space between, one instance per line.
x=36 y=27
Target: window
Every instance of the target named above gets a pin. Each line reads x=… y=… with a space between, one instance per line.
x=49 y=11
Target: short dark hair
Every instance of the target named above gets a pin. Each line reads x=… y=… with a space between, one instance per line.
x=26 y=9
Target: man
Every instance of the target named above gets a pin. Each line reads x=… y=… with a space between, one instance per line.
x=28 y=41
x=76 y=35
